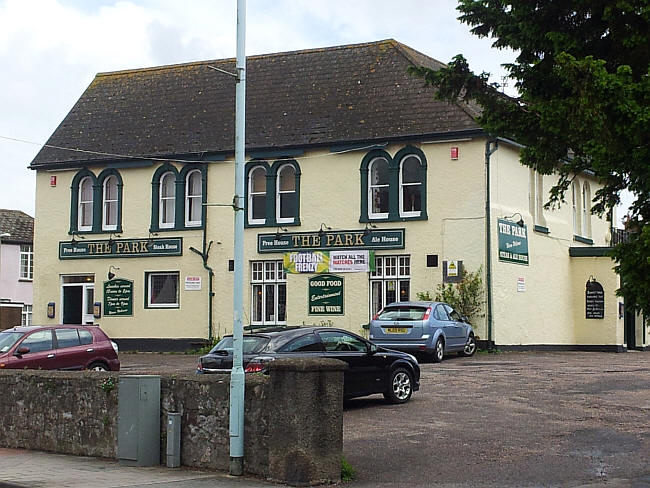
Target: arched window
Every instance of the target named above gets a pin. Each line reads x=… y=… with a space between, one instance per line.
x=257 y=195
x=410 y=201
x=110 y=203
x=586 y=210
x=574 y=208
x=167 y=200
x=378 y=188
x=286 y=201
x=85 y=206
x=193 y=198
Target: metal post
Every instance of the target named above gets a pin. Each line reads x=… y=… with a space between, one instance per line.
x=237 y=382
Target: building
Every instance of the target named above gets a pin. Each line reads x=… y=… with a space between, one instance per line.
x=16 y=268
x=361 y=189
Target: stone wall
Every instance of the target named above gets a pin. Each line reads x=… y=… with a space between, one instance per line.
x=293 y=417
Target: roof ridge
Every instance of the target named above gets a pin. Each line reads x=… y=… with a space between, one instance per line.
x=254 y=56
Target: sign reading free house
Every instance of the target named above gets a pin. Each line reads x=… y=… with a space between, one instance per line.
x=122 y=248
x=344 y=239
x=513 y=242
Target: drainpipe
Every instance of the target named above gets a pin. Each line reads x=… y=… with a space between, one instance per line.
x=490 y=147
x=204 y=256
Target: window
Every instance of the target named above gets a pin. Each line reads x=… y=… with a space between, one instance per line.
x=269 y=293
x=410 y=183
x=257 y=196
x=109 y=218
x=286 y=194
x=26 y=318
x=66 y=338
x=193 y=199
x=85 y=209
x=167 y=204
x=574 y=208
x=38 y=341
x=307 y=342
x=162 y=290
x=536 y=198
x=336 y=341
x=586 y=210
x=26 y=262
x=390 y=282
x=393 y=188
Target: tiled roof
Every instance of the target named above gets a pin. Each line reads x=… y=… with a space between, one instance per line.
x=18 y=224
x=330 y=96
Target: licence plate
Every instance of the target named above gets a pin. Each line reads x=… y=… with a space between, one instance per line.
x=396 y=330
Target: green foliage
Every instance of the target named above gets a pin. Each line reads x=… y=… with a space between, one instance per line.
x=467 y=296
x=207 y=347
x=348 y=473
x=583 y=76
x=108 y=385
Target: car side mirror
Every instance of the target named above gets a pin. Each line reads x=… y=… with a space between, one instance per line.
x=21 y=350
x=465 y=318
x=372 y=348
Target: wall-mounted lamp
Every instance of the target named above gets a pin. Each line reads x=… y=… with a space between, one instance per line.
x=279 y=231
x=75 y=236
x=520 y=222
x=110 y=274
x=322 y=230
x=151 y=236
x=368 y=229
x=111 y=236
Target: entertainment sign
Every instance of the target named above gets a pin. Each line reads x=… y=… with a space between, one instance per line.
x=122 y=248
x=345 y=239
x=326 y=295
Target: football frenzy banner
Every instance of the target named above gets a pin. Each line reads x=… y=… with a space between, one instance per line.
x=329 y=262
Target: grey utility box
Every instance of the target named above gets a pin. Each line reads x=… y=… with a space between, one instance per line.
x=173 y=440
x=138 y=420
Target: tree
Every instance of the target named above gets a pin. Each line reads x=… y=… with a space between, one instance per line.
x=583 y=76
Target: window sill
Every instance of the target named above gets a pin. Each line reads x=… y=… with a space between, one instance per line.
x=541 y=229
x=26 y=280
x=295 y=223
x=584 y=240
x=392 y=219
x=162 y=307
x=175 y=229
x=94 y=232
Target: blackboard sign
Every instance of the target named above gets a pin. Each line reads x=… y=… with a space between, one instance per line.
x=326 y=295
x=594 y=300
x=118 y=297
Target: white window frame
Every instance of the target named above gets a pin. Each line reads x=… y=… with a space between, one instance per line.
x=279 y=192
x=162 y=199
x=575 y=208
x=263 y=274
x=390 y=268
x=251 y=194
x=402 y=212
x=26 y=258
x=371 y=186
x=150 y=275
x=189 y=198
x=85 y=203
x=106 y=202
x=586 y=210
x=26 y=314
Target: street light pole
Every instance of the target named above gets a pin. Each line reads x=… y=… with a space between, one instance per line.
x=237 y=381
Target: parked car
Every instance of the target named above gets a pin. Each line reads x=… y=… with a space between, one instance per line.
x=65 y=347
x=371 y=369
x=433 y=328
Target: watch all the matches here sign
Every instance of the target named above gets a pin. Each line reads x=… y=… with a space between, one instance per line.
x=513 y=242
x=326 y=295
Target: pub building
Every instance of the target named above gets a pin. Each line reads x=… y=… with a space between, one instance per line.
x=361 y=190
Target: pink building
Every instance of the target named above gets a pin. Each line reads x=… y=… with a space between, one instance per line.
x=16 y=268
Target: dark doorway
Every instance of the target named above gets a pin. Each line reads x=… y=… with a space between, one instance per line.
x=72 y=304
x=630 y=327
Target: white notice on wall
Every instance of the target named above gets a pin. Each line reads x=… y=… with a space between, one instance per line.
x=521 y=284
x=192 y=283
x=452 y=268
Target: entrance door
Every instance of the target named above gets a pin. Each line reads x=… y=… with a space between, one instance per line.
x=78 y=296
x=72 y=304
x=630 y=327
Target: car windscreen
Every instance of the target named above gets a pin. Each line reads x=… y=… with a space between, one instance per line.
x=251 y=344
x=8 y=339
x=402 y=313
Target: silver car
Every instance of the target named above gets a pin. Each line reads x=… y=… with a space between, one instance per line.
x=433 y=328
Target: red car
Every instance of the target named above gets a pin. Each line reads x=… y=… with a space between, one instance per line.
x=65 y=347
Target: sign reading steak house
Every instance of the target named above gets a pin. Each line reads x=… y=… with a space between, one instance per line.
x=121 y=248
x=344 y=239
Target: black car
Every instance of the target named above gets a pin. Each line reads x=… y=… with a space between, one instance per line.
x=371 y=369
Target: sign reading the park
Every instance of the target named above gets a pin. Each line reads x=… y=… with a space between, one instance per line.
x=123 y=248
x=345 y=239
x=513 y=242
x=326 y=295
x=594 y=300
x=118 y=297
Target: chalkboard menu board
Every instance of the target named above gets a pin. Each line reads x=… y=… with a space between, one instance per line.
x=594 y=300
x=118 y=297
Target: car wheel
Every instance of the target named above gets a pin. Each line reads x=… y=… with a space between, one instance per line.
x=98 y=367
x=439 y=351
x=470 y=347
x=400 y=386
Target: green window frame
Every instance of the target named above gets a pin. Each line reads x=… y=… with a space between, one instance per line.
x=181 y=199
x=277 y=194
x=97 y=202
x=396 y=196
